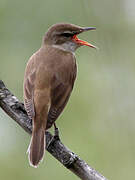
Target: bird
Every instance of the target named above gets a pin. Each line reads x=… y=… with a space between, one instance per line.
x=49 y=80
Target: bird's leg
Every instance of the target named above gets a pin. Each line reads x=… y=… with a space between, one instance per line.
x=56 y=132
x=55 y=137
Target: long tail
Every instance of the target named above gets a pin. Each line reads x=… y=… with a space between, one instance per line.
x=37 y=146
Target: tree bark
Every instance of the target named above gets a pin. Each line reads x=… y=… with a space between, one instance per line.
x=15 y=109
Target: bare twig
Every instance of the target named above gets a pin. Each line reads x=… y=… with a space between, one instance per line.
x=15 y=109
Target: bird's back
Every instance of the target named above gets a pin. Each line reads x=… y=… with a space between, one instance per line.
x=64 y=69
x=54 y=66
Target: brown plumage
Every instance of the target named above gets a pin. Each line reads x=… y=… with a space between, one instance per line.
x=48 y=82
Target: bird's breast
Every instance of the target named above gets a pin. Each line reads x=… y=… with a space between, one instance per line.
x=60 y=64
x=66 y=68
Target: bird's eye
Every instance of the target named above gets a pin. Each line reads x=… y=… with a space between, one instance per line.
x=67 y=34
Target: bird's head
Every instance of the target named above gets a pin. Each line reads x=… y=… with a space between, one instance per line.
x=64 y=36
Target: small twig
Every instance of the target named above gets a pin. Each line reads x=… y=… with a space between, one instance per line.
x=15 y=109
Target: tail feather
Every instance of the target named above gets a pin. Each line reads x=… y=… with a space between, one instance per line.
x=37 y=147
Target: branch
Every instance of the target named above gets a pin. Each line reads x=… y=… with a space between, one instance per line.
x=15 y=109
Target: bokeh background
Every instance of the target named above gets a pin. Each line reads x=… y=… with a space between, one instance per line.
x=99 y=121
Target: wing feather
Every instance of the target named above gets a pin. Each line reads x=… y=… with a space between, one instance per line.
x=28 y=95
x=62 y=94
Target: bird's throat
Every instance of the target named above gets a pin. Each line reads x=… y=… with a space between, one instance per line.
x=67 y=46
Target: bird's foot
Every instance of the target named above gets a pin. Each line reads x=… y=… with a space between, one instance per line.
x=56 y=133
x=55 y=137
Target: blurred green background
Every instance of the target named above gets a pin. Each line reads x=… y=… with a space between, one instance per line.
x=99 y=121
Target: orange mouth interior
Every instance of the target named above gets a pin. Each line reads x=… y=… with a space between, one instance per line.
x=81 y=42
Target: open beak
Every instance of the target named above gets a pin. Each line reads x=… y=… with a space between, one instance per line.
x=81 y=42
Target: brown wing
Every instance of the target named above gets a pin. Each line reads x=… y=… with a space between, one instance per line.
x=28 y=95
x=60 y=96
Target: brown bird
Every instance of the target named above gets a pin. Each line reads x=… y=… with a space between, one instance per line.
x=48 y=82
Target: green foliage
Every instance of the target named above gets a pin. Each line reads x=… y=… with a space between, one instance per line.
x=98 y=122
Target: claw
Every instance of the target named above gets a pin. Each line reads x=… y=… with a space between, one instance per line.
x=55 y=137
